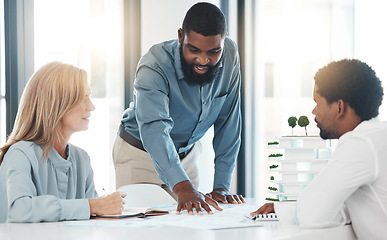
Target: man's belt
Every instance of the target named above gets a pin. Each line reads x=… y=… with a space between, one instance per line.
x=129 y=138
x=138 y=144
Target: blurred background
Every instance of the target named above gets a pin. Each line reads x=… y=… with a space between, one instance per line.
x=282 y=43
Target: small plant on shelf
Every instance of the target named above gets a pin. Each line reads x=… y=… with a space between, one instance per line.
x=272 y=178
x=273 y=143
x=273 y=166
x=272 y=199
x=273 y=188
x=276 y=155
x=303 y=121
x=292 y=121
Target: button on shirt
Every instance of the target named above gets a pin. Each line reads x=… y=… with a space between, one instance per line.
x=355 y=180
x=169 y=115
x=35 y=190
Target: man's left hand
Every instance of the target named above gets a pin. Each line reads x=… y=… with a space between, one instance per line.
x=224 y=196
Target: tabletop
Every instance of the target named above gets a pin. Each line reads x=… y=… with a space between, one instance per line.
x=231 y=223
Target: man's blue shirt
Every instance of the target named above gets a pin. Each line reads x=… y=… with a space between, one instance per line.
x=169 y=115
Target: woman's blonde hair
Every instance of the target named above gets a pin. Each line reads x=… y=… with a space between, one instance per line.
x=51 y=92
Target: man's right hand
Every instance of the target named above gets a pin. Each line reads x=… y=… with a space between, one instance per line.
x=265 y=209
x=189 y=198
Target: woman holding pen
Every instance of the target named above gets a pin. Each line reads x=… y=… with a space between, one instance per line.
x=42 y=176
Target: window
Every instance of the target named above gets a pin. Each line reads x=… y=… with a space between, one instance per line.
x=88 y=34
x=2 y=79
x=296 y=38
x=370 y=37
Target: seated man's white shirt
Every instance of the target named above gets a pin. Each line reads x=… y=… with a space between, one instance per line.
x=356 y=179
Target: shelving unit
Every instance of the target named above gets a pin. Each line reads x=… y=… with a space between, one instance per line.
x=298 y=161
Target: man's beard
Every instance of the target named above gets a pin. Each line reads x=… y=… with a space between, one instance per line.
x=194 y=78
x=327 y=134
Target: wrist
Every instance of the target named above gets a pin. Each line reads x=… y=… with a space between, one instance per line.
x=219 y=190
x=91 y=206
x=184 y=186
x=94 y=206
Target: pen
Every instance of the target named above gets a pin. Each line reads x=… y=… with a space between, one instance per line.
x=105 y=191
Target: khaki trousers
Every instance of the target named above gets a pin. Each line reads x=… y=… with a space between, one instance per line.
x=133 y=165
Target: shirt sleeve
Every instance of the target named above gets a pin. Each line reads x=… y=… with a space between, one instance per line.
x=227 y=131
x=155 y=125
x=322 y=203
x=24 y=204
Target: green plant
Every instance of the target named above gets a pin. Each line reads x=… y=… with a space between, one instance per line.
x=276 y=155
x=273 y=143
x=292 y=121
x=303 y=121
x=273 y=166
x=273 y=188
x=272 y=178
x=272 y=199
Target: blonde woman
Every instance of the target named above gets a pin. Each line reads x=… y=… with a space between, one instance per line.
x=42 y=176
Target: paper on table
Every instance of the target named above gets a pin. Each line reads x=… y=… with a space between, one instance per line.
x=232 y=216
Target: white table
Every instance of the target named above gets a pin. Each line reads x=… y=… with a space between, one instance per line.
x=171 y=227
x=59 y=231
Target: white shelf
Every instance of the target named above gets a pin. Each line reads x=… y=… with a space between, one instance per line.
x=294 y=171
x=283 y=194
x=288 y=183
x=298 y=160
x=303 y=157
x=300 y=148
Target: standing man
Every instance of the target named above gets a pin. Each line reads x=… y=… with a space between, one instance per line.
x=182 y=88
x=353 y=186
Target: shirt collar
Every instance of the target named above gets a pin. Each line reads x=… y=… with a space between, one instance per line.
x=178 y=68
x=364 y=125
x=367 y=124
x=58 y=161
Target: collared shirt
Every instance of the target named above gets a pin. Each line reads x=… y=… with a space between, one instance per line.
x=35 y=190
x=355 y=180
x=169 y=115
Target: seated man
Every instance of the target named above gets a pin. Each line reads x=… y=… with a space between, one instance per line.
x=353 y=186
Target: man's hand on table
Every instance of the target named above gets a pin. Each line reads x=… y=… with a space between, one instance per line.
x=224 y=196
x=189 y=198
x=265 y=209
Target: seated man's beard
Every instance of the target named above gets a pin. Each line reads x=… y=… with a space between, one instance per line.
x=193 y=78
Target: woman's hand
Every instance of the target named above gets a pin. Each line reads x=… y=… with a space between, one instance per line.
x=107 y=205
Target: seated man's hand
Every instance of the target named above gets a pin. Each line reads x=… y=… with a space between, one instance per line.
x=189 y=198
x=224 y=196
x=265 y=209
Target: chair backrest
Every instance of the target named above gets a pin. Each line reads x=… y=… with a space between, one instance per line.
x=145 y=195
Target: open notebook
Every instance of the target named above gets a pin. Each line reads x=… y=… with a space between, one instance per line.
x=134 y=213
x=141 y=201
